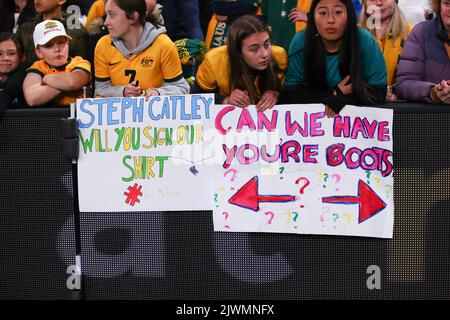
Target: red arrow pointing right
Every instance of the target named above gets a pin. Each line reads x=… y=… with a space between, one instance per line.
x=369 y=202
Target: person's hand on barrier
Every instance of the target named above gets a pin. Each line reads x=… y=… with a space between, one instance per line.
x=297 y=15
x=329 y=112
x=447 y=97
x=151 y=92
x=238 y=98
x=440 y=93
x=132 y=89
x=267 y=100
x=390 y=95
x=345 y=86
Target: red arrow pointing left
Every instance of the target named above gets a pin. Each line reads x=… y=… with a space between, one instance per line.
x=247 y=196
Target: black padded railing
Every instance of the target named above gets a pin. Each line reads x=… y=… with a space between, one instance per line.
x=177 y=255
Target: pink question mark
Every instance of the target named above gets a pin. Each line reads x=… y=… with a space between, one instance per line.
x=302 y=189
x=234 y=173
x=271 y=216
x=338 y=179
x=226 y=217
x=323 y=213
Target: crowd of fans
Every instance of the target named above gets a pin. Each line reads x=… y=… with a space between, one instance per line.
x=260 y=52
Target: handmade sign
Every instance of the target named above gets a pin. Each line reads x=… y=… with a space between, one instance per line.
x=138 y=155
x=291 y=169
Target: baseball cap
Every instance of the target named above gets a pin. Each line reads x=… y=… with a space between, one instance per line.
x=47 y=30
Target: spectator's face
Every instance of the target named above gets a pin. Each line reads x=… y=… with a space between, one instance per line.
x=9 y=57
x=445 y=15
x=382 y=8
x=331 y=20
x=47 y=5
x=256 y=50
x=116 y=22
x=55 y=52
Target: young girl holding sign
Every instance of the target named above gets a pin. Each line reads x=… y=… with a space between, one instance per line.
x=248 y=70
x=333 y=61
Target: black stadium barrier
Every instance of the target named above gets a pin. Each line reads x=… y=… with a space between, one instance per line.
x=177 y=255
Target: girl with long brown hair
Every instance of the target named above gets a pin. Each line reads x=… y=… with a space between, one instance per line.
x=248 y=70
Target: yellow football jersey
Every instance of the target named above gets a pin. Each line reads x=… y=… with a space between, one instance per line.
x=392 y=49
x=66 y=98
x=157 y=63
x=214 y=72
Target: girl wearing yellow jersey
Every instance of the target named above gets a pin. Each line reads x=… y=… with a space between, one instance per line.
x=137 y=57
x=385 y=20
x=248 y=70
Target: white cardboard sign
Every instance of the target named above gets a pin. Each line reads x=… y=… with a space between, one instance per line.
x=293 y=170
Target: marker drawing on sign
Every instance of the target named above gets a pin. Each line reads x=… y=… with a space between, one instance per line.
x=369 y=202
x=234 y=171
x=133 y=194
x=247 y=196
x=337 y=178
x=302 y=188
x=226 y=217
x=271 y=214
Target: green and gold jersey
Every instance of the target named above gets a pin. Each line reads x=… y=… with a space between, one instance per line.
x=277 y=15
x=214 y=72
x=157 y=63
x=77 y=63
x=392 y=49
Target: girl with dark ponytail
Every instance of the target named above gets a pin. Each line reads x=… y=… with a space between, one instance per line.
x=333 y=61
